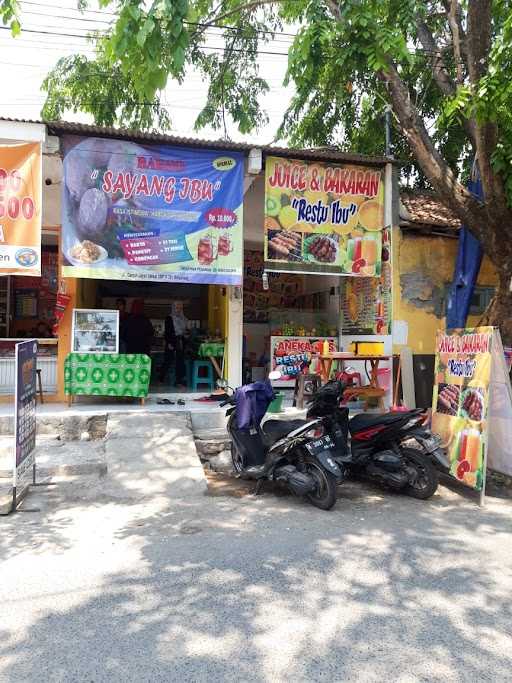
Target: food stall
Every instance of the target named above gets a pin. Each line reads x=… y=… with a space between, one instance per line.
x=325 y=223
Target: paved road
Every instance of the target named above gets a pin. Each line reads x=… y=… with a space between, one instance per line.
x=383 y=588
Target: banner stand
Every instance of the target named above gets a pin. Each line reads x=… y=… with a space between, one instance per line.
x=24 y=417
x=472 y=405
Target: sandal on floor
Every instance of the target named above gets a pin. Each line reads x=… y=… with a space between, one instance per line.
x=165 y=402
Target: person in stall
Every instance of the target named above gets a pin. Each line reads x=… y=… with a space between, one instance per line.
x=42 y=331
x=138 y=330
x=123 y=317
x=175 y=335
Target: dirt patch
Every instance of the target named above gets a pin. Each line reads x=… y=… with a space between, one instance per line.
x=220 y=484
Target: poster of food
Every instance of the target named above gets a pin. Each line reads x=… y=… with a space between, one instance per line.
x=461 y=400
x=283 y=289
x=366 y=301
x=95 y=331
x=151 y=212
x=20 y=209
x=293 y=356
x=323 y=218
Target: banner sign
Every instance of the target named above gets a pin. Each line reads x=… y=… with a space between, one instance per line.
x=20 y=209
x=292 y=356
x=158 y=213
x=461 y=400
x=366 y=301
x=25 y=408
x=323 y=218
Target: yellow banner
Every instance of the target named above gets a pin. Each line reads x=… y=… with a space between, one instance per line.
x=461 y=400
x=20 y=209
x=323 y=218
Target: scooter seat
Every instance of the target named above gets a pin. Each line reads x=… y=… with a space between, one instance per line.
x=273 y=430
x=364 y=421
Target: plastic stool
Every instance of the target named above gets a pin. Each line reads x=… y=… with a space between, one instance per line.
x=206 y=378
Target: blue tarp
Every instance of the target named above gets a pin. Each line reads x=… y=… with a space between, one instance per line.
x=467 y=266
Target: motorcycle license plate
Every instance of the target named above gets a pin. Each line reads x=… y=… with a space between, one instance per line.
x=319 y=445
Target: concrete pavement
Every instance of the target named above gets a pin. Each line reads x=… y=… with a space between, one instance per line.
x=255 y=589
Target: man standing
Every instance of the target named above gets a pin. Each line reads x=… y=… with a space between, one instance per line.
x=175 y=331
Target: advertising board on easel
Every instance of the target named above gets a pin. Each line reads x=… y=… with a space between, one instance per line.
x=472 y=404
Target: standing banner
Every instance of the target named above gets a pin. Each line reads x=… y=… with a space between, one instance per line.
x=20 y=209
x=472 y=404
x=323 y=218
x=24 y=410
x=152 y=212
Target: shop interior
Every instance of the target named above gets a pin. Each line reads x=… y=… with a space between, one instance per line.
x=199 y=307
x=27 y=310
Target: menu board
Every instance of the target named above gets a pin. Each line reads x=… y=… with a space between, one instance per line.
x=283 y=288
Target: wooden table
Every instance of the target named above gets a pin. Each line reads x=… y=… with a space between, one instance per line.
x=371 y=390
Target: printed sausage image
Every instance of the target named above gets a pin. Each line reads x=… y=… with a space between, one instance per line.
x=448 y=399
x=284 y=245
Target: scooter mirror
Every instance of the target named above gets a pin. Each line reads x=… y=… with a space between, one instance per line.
x=222 y=384
x=275 y=374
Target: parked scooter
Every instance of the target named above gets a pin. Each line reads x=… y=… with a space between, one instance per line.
x=381 y=447
x=297 y=453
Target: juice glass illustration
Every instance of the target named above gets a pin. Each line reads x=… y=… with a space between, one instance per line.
x=205 y=251
x=225 y=246
x=470 y=448
x=369 y=250
x=354 y=248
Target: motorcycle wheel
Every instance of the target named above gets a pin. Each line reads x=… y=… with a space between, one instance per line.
x=426 y=480
x=324 y=496
x=237 y=459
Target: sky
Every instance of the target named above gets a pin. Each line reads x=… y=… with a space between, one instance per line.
x=55 y=28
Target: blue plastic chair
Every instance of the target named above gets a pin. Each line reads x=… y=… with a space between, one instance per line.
x=188 y=372
x=202 y=378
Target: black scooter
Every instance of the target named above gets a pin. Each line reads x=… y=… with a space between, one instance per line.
x=394 y=449
x=297 y=453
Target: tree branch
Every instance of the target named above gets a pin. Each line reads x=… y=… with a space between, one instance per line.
x=479 y=38
x=442 y=178
x=441 y=75
x=454 y=15
x=246 y=7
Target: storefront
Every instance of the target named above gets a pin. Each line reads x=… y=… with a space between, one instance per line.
x=272 y=293
x=319 y=275
x=27 y=309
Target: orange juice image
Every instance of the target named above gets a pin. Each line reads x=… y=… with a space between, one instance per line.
x=470 y=448
x=369 y=250
x=371 y=215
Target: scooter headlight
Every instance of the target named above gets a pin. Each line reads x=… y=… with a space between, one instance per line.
x=316 y=432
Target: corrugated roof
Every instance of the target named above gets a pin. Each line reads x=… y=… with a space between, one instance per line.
x=426 y=209
x=319 y=154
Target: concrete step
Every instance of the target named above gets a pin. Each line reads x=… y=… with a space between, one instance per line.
x=67 y=427
x=57 y=458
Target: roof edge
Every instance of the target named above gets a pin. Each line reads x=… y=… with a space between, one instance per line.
x=59 y=128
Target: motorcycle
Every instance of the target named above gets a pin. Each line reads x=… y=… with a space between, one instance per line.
x=296 y=453
x=394 y=449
